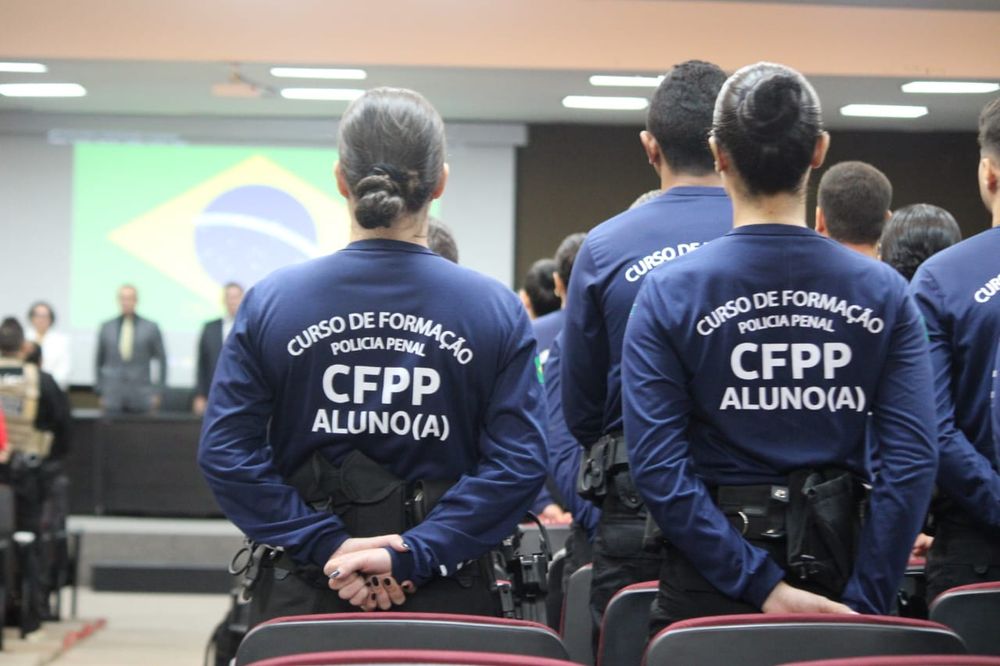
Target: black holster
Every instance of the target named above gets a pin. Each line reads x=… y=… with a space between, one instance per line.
x=605 y=460
x=369 y=499
x=826 y=511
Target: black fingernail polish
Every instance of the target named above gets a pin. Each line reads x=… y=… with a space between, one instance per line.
x=374 y=596
x=374 y=581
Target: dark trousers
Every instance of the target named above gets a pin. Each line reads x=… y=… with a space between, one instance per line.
x=578 y=553
x=684 y=593
x=280 y=593
x=963 y=553
x=619 y=557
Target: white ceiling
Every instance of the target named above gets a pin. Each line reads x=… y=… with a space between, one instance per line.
x=530 y=96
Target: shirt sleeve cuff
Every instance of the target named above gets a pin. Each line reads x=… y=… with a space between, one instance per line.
x=762 y=582
x=403 y=566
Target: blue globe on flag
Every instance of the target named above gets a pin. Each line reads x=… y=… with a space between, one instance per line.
x=249 y=231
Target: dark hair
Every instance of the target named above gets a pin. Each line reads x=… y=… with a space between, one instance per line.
x=854 y=198
x=32 y=353
x=767 y=119
x=566 y=255
x=680 y=115
x=915 y=233
x=392 y=149
x=43 y=304
x=541 y=288
x=989 y=128
x=440 y=239
x=232 y=285
x=11 y=336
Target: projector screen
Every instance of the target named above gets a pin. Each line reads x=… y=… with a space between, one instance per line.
x=89 y=210
x=179 y=222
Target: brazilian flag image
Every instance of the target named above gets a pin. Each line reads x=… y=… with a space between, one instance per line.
x=179 y=222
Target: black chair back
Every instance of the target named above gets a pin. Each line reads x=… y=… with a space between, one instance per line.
x=409 y=631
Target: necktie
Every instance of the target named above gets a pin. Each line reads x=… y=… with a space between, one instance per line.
x=125 y=339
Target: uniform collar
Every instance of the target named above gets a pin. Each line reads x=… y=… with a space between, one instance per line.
x=773 y=229
x=693 y=191
x=389 y=245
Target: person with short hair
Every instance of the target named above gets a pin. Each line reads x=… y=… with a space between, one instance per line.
x=376 y=421
x=853 y=203
x=957 y=291
x=54 y=344
x=548 y=326
x=538 y=295
x=441 y=240
x=914 y=234
x=126 y=347
x=615 y=258
x=213 y=334
x=749 y=368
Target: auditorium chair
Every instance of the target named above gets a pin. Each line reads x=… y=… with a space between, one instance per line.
x=577 y=627
x=769 y=640
x=973 y=612
x=625 y=626
x=302 y=634
x=411 y=657
x=906 y=660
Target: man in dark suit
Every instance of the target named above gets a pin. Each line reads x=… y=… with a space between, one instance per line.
x=210 y=344
x=126 y=346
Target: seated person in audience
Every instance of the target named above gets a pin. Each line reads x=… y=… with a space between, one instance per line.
x=853 y=205
x=957 y=291
x=440 y=240
x=915 y=233
x=213 y=334
x=748 y=369
x=37 y=411
x=431 y=393
x=55 y=345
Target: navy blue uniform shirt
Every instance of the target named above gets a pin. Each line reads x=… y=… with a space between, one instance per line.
x=607 y=273
x=761 y=354
x=958 y=291
x=546 y=329
x=565 y=453
x=426 y=367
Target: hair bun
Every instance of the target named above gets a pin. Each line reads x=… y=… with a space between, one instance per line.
x=772 y=108
x=379 y=200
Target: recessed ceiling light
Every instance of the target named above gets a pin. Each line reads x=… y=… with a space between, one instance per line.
x=605 y=103
x=318 y=73
x=323 y=94
x=883 y=111
x=42 y=90
x=625 y=81
x=950 y=87
x=23 y=67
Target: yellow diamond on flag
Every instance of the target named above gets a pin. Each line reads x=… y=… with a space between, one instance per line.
x=236 y=226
